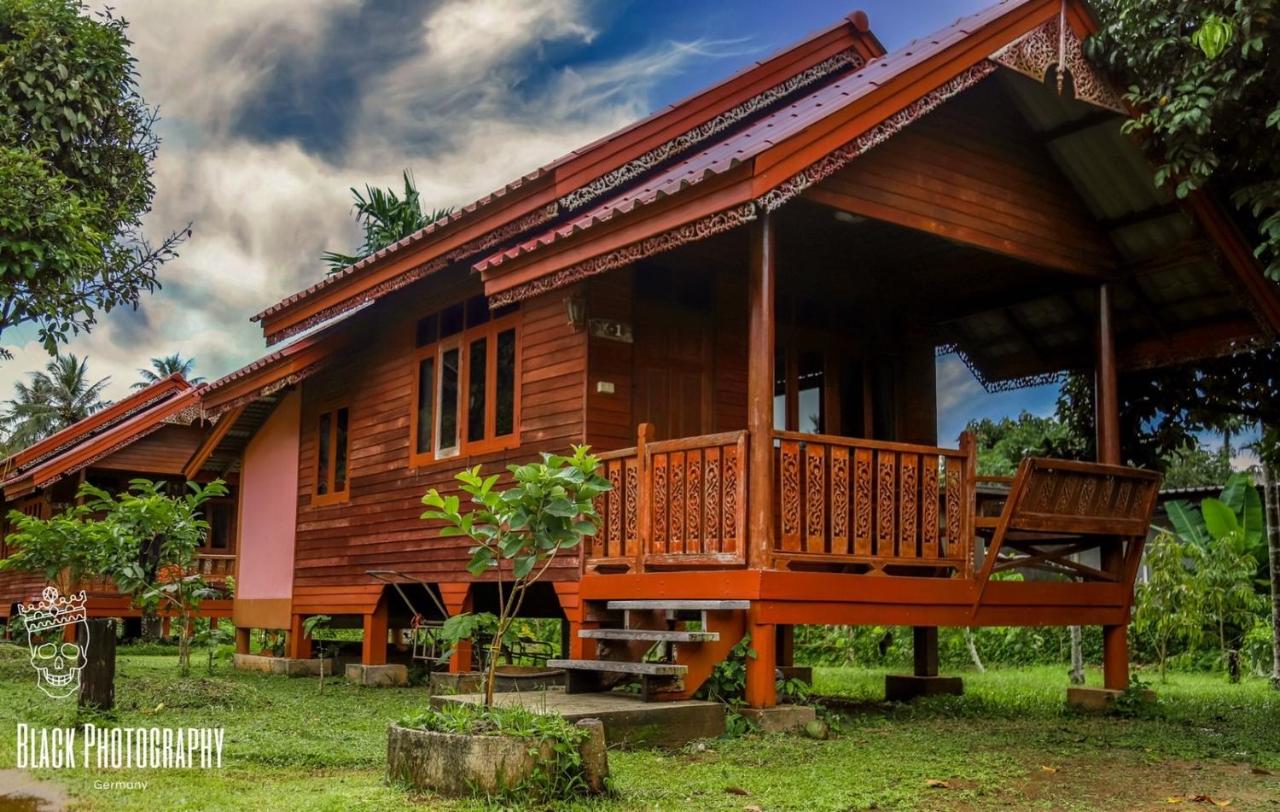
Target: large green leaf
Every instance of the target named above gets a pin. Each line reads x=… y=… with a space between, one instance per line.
x=1219 y=519
x=1187 y=522
x=1247 y=506
x=1233 y=493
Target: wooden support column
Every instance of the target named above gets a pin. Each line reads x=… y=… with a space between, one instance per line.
x=298 y=646
x=572 y=646
x=1106 y=384
x=762 y=688
x=760 y=372
x=786 y=645
x=924 y=650
x=457 y=599
x=243 y=636
x=1115 y=657
x=1115 y=639
x=374 y=650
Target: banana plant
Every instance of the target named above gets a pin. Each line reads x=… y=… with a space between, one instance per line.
x=1235 y=513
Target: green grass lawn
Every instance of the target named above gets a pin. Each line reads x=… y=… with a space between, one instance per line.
x=1008 y=743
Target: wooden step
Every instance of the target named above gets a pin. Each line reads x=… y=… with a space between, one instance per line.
x=621 y=667
x=656 y=635
x=681 y=605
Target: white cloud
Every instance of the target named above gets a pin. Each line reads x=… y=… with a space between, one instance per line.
x=460 y=108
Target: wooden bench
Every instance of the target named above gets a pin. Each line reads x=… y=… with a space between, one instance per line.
x=1056 y=509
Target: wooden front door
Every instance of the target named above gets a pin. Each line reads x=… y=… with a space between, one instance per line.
x=673 y=369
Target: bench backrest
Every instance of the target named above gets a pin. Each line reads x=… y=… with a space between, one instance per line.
x=1082 y=498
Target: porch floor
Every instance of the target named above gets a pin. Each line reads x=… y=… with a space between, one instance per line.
x=626 y=718
x=789 y=597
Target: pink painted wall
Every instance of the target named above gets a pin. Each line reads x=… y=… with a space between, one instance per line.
x=269 y=505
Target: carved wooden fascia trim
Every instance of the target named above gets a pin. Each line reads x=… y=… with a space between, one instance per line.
x=485 y=242
x=835 y=161
x=717 y=223
x=1054 y=44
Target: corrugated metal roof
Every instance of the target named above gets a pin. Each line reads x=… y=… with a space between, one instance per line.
x=765 y=132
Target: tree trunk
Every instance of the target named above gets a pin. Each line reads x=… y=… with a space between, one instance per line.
x=98 y=678
x=151 y=628
x=1271 y=496
x=1077 y=656
x=184 y=646
x=973 y=650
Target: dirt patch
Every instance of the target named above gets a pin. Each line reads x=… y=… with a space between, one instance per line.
x=19 y=792
x=1123 y=780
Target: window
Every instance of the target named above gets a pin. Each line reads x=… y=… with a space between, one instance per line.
x=465 y=397
x=331 y=456
x=221 y=516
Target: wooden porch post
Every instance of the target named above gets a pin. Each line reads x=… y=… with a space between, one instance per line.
x=761 y=690
x=760 y=376
x=374 y=649
x=1115 y=639
x=1107 y=398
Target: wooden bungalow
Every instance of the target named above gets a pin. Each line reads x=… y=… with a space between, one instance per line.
x=155 y=433
x=739 y=301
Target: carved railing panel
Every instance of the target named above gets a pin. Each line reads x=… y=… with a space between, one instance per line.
x=674 y=503
x=866 y=505
x=696 y=491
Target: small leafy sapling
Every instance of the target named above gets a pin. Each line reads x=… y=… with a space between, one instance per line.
x=519 y=531
x=211 y=637
x=313 y=624
x=152 y=542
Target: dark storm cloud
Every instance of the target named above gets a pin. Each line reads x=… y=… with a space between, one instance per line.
x=311 y=94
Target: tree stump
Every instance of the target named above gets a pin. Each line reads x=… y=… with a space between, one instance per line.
x=98 y=679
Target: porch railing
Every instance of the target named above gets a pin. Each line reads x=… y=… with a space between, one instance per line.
x=839 y=502
x=215 y=566
x=871 y=505
x=674 y=503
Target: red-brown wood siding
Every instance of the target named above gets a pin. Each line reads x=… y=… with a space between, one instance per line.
x=164 y=451
x=378 y=526
x=973 y=171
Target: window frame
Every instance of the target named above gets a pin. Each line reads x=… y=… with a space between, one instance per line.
x=333 y=496
x=462 y=341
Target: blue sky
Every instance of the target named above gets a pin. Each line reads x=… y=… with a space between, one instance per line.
x=271 y=110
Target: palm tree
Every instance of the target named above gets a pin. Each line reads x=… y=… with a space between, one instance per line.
x=55 y=398
x=162 y=368
x=386 y=219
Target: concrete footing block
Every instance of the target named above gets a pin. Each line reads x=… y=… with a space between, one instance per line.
x=905 y=687
x=509 y=678
x=780 y=718
x=282 y=665
x=378 y=676
x=1099 y=700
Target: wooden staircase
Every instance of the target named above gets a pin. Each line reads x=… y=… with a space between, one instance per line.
x=669 y=647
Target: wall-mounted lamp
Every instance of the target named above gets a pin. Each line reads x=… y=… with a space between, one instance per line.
x=575 y=306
